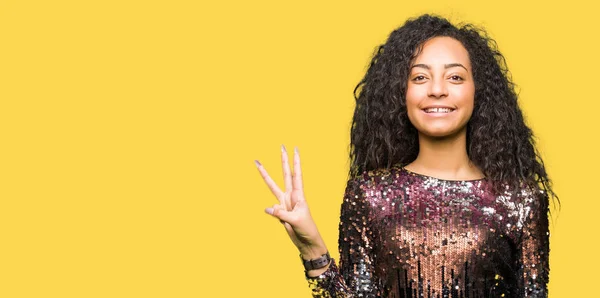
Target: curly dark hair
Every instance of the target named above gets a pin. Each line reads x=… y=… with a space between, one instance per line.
x=498 y=140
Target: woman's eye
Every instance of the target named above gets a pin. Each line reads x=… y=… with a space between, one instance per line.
x=418 y=78
x=456 y=78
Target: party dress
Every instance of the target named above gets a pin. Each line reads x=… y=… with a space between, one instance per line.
x=405 y=234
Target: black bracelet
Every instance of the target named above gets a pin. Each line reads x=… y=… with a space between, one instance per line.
x=317 y=263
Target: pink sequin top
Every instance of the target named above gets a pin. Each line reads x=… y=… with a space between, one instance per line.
x=404 y=234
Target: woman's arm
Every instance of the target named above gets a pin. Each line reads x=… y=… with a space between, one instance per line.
x=355 y=275
x=535 y=247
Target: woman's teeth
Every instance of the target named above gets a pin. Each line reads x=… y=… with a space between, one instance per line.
x=438 y=110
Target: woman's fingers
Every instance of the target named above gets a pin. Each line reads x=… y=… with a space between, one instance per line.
x=270 y=183
x=289 y=197
x=297 y=179
x=287 y=174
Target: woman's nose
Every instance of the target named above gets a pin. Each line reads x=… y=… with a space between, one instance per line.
x=437 y=88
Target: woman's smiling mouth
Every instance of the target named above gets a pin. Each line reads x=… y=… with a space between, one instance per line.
x=438 y=110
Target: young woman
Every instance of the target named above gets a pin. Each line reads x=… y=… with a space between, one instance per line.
x=447 y=195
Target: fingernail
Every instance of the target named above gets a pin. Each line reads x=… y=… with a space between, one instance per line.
x=258 y=164
x=283 y=149
x=296 y=149
x=269 y=211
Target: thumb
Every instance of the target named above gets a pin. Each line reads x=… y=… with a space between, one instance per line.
x=279 y=213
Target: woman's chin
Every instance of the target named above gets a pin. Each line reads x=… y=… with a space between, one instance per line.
x=440 y=133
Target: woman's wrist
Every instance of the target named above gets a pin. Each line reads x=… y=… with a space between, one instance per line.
x=313 y=252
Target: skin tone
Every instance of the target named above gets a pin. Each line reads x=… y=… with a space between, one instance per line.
x=440 y=76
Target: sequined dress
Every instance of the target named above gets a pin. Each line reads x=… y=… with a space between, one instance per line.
x=404 y=234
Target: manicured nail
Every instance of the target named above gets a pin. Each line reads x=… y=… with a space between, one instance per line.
x=269 y=211
x=296 y=150
x=283 y=149
x=258 y=164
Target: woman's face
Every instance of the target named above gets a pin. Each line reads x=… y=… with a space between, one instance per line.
x=440 y=94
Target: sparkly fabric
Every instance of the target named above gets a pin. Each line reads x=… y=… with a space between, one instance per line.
x=404 y=234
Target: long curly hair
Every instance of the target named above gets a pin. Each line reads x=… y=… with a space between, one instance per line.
x=498 y=140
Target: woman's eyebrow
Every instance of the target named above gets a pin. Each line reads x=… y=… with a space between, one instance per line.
x=445 y=66
x=455 y=65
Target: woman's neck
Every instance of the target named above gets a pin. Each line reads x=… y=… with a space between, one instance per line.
x=444 y=157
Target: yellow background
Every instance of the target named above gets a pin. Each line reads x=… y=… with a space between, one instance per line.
x=128 y=132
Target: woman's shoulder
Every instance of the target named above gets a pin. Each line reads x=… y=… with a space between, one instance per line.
x=377 y=175
x=522 y=200
x=525 y=191
x=379 y=179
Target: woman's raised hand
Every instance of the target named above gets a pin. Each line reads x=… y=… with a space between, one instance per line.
x=292 y=210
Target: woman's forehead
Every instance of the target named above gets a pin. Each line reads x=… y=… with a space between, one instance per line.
x=443 y=50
